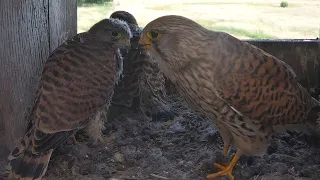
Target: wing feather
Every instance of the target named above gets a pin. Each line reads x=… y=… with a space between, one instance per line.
x=259 y=85
x=76 y=82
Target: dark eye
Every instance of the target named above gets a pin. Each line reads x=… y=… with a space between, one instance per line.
x=115 y=34
x=153 y=35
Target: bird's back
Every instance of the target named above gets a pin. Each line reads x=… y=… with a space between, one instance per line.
x=75 y=84
x=77 y=80
x=259 y=85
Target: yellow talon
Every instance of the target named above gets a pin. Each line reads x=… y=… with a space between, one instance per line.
x=225 y=170
x=225 y=150
x=219 y=166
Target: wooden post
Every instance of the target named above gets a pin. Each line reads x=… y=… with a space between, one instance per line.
x=30 y=30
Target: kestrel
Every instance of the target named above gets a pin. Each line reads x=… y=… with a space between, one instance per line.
x=143 y=85
x=78 y=79
x=249 y=93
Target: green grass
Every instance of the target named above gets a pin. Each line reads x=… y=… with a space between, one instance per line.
x=99 y=12
x=210 y=24
x=229 y=3
x=177 y=5
x=242 y=32
x=161 y=8
x=237 y=3
x=256 y=19
x=94 y=5
x=90 y=3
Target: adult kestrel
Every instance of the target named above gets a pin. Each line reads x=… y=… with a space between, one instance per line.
x=249 y=93
x=78 y=79
x=143 y=84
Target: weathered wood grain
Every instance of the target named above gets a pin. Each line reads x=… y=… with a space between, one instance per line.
x=30 y=30
x=62 y=21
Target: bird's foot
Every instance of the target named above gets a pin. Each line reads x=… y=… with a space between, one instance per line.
x=224 y=170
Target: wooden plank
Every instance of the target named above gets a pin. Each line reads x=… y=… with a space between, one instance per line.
x=62 y=21
x=24 y=47
x=29 y=32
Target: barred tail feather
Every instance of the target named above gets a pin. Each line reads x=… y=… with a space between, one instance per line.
x=27 y=166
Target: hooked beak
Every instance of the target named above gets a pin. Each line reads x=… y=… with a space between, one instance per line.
x=144 y=43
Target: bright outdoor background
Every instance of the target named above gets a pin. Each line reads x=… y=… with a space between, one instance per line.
x=245 y=19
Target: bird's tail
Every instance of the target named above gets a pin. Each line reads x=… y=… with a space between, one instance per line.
x=24 y=165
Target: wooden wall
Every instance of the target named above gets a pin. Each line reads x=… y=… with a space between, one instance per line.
x=29 y=31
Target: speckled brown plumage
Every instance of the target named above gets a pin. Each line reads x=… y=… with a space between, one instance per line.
x=249 y=93
x=142 y=86
x=77 y=81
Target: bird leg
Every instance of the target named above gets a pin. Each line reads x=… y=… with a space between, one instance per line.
x=225 y=170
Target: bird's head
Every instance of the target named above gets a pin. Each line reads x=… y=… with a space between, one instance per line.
x=112 y=31
x=133 y=24
x=173 y=41
x=124 y=16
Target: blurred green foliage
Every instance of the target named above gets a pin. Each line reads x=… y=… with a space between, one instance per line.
x=92 y=2
x=284 y=4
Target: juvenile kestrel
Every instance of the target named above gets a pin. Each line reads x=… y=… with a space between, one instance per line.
x=78 y=79
x=143 y=84
x=249 y=93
